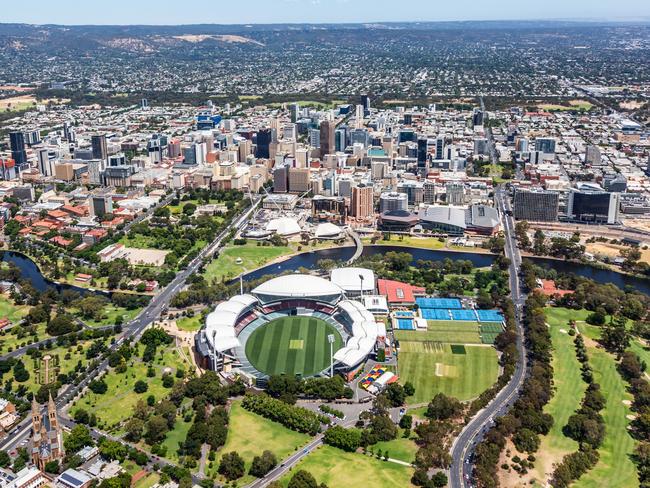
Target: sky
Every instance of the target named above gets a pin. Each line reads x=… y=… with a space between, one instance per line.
x=173 y=12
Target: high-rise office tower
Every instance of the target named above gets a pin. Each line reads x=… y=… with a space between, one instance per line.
x=480 y=146
x=592 y=155
x=264 y=138
x=281 y=179
x=423 y=155
x=440 y=148
x=590 y=203
x=536 y=205
x=477 y=117
x=362 y=205
x=295 y=112
x=365 y=103
x=298 y=180
x=100 y=147
x=314 y=138
x=18 y=153
x=340 y=137
x=327 y=129
x=545 y=145
x=45 y=164
x=455 y=193
x=358 y=117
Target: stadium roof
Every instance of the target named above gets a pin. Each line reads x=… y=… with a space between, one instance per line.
x=327 y=230
x=284 y=226
x=437 y=214
x=297 y=286
x=350 y=279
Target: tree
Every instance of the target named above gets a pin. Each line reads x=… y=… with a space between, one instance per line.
x=630 y=366
x=406 y=422
x=113 y=450
x=302 y=479
x=615 y=336
x=79 y=437
x=98 y=387
x=409 y=389
x=395 y=394
x=345 y=439
x=52 y=467
x=263 y=464
x=231 y=466
x=134 y=428
x=526 y=440
x=439 y=480
x=5 y=460
x=140 y=386
x=443 y=407
x=156 y=429
x=61 y=324
x=81 y=416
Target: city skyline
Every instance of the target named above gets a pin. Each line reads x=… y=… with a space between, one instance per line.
x=165 y=12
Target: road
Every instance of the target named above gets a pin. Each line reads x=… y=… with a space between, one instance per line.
x=460 y=472
x=134 y=329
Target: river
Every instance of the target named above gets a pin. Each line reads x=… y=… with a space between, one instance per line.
x=310 y=260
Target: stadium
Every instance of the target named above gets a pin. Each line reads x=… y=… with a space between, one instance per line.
x=295 y=324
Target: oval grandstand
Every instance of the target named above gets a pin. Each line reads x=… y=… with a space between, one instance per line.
x=222 y=343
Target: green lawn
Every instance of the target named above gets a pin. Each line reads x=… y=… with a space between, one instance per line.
x=9 y=340
x=117 y=403
x=10 y=311
x=138 y=241
x=65 y=365
x=110 y=314
x=410 y=241
x=176 y=436
x=339 y=469
x=433 y=368
x=453 y=332
x=292 y=345
x=252 y=256
x=615 y=468
x=250 y=434
x=148 y=481
x=401 y=449
x=569 y=390
x=190 y=324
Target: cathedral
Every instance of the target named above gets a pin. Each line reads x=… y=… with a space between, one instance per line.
x=47 y=435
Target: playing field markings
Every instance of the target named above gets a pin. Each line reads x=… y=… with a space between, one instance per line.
x=296 y=344
x=292 y=354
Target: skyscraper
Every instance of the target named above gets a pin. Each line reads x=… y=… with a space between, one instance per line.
x=362 y=205
x=365 y=102
x=327 y=129
x=536 y=205
x=45 y=164
x=440 y=148
x=18 y=153
x=545 y=145
x=264 y=138
x=281 y=179
x=100 y=148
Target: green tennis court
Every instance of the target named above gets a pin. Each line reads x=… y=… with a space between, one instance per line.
x=292 y=345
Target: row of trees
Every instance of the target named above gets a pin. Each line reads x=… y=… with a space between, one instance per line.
x=295 y=418
x=586 y=426
x=287 y=388
x=526 y=420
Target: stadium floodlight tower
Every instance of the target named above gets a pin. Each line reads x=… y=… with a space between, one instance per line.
x=330 y=339
x=214 y=351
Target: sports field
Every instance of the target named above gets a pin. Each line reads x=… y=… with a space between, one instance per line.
x=453 y=332
x=292 y=345
x=462 y=371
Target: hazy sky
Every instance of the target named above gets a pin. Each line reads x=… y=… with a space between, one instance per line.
x=272 y=11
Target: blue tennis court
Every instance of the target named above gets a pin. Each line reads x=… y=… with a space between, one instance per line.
x=405 y=324
x=438 y=303
x=434 y=314
x=489 y=316
x=463 y=315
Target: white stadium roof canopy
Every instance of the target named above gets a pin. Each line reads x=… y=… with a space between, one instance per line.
x=297 y=286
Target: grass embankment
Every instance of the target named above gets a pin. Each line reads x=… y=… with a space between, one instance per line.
x=409 y=241
x=400 y=448
x=250 y=434
x=569 y=390
x=190 y=324
x=434 y=368
x=339 y=469
x=253 y=256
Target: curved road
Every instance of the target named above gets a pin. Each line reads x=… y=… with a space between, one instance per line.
x=460 y=472
x=133 y=329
